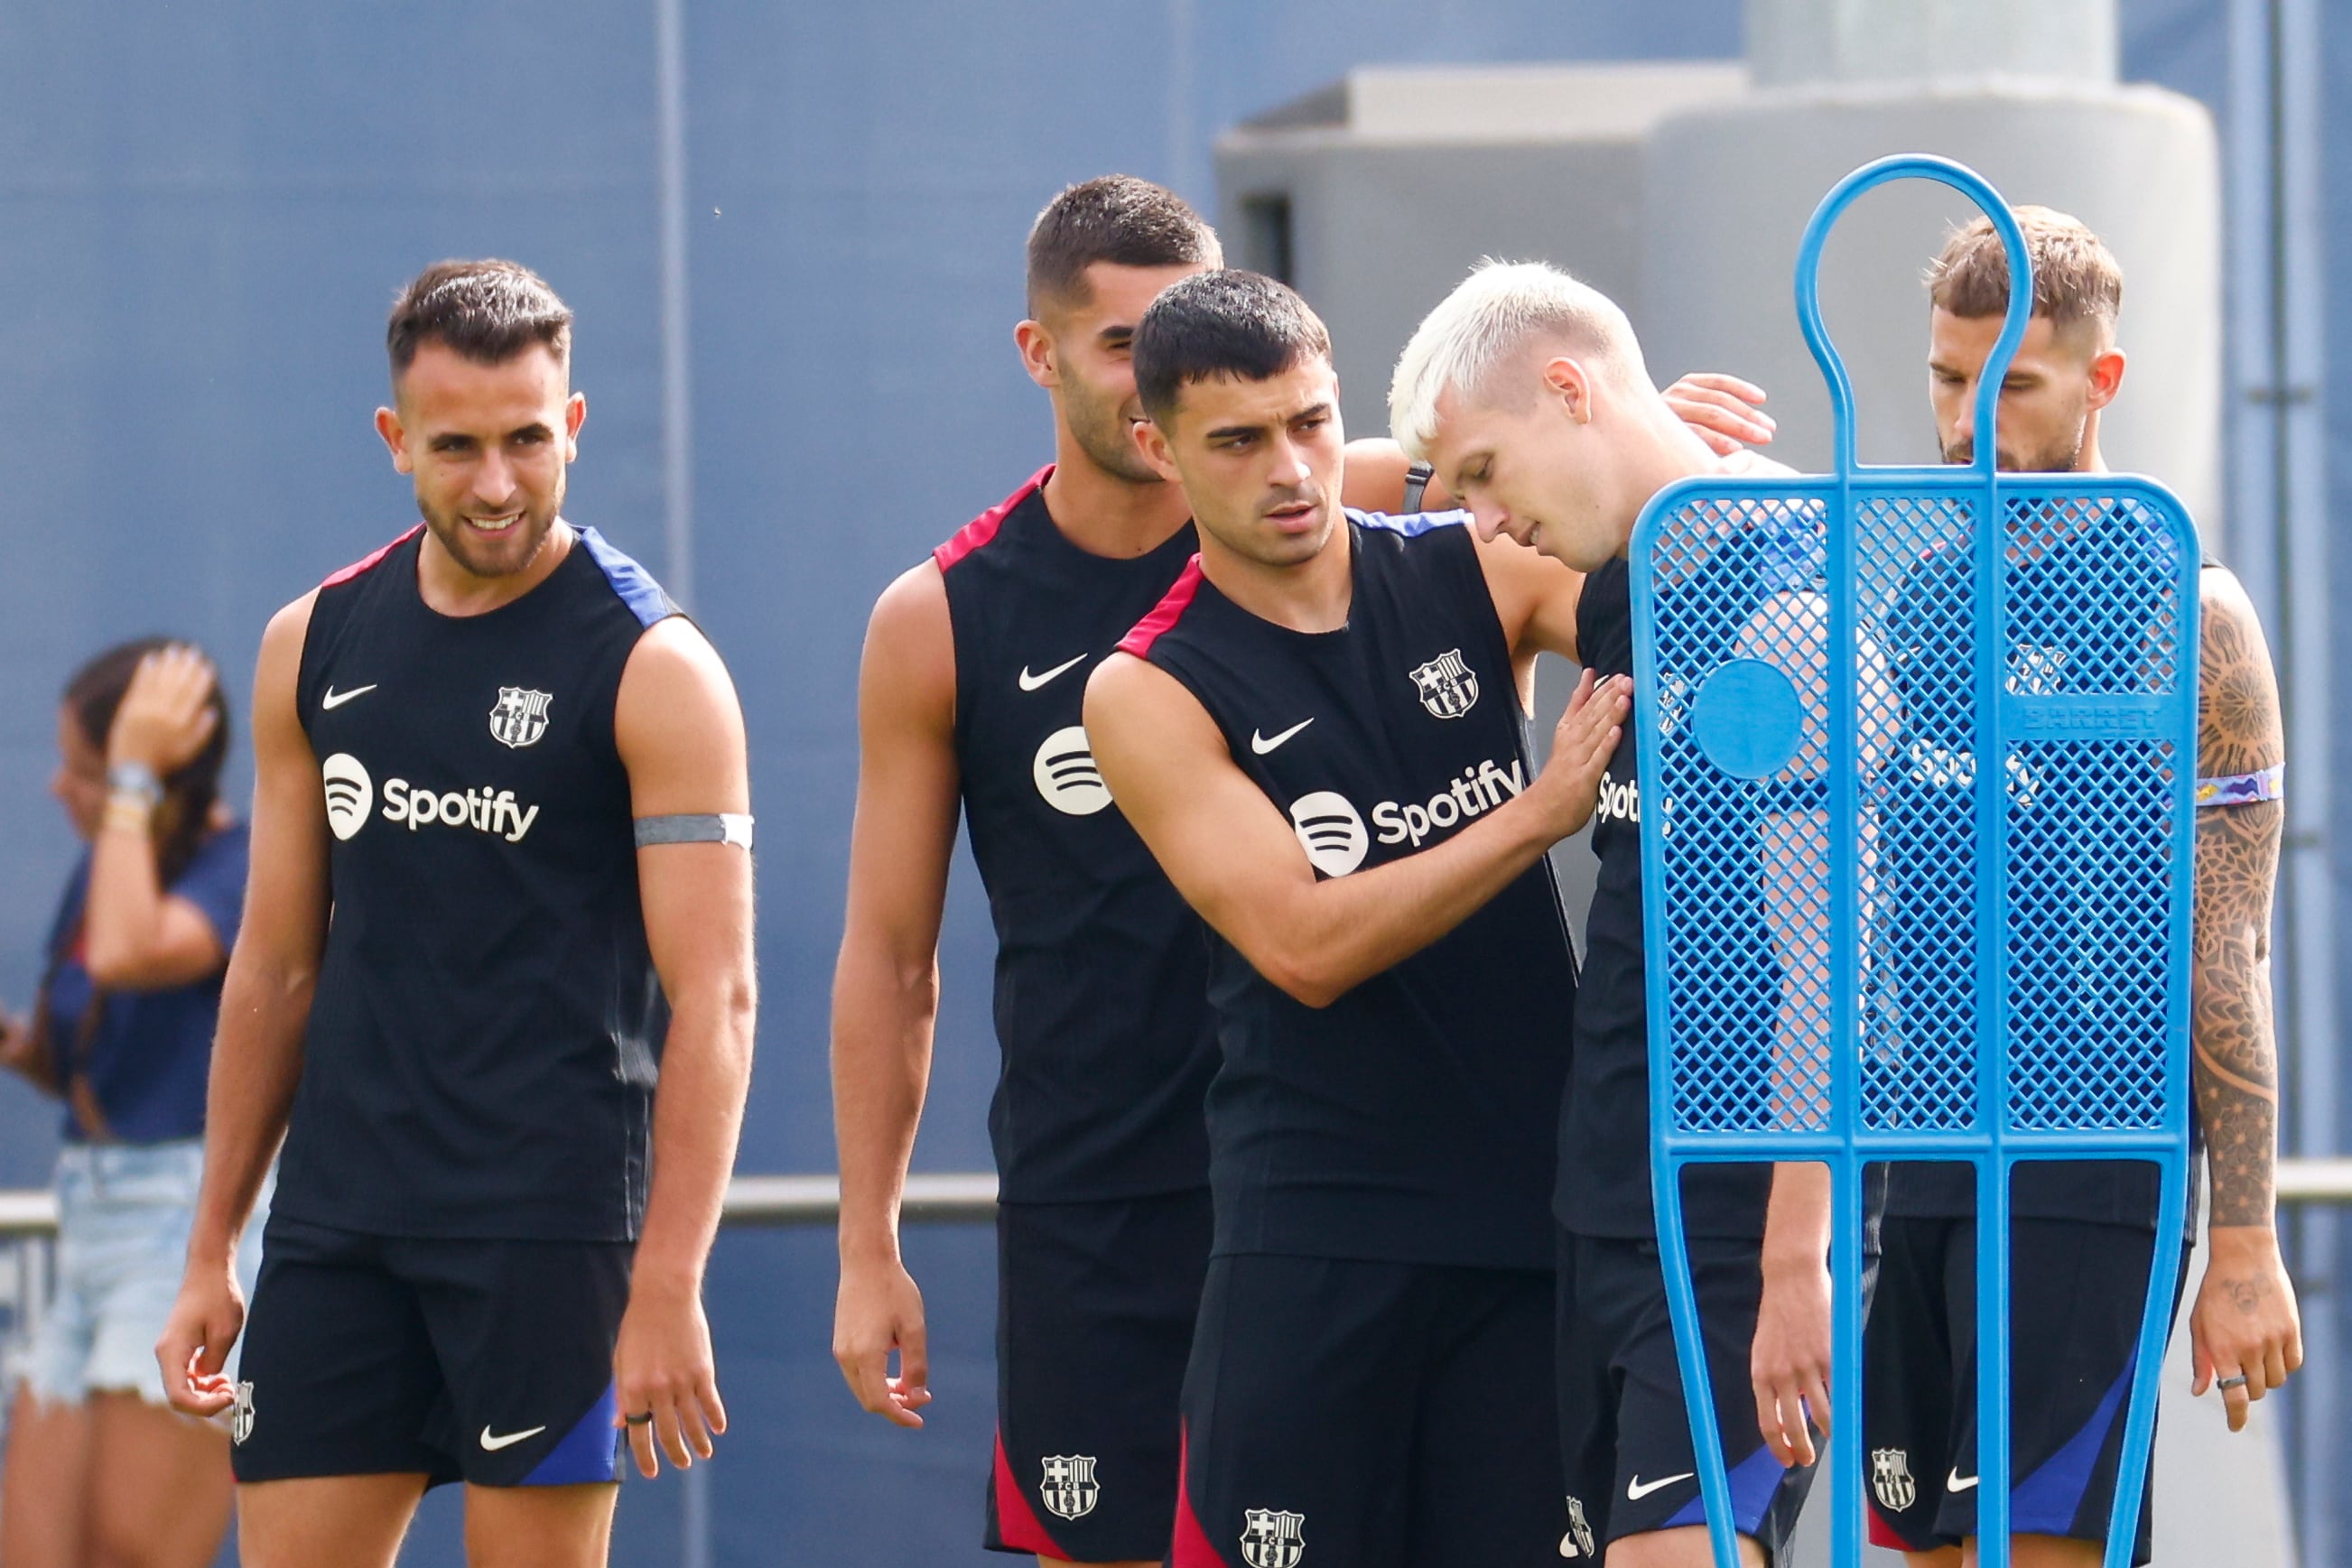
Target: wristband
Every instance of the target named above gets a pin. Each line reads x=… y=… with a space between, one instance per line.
x=134 y=778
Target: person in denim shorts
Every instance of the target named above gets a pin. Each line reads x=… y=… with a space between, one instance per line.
x=98 y=1467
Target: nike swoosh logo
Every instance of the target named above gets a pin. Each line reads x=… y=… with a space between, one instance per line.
x=494 y=1444
x=1636 y=1491
x=335 y=699
x=1954 y=1483
x=1030 y=683
x=1261 y=745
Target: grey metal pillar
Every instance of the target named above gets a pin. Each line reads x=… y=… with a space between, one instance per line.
x=2278 y=545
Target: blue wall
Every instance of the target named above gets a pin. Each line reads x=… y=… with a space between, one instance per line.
x=204 y=212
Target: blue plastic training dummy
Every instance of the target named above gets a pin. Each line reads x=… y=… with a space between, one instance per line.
x=1919 y=746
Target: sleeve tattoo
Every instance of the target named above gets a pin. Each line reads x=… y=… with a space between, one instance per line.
x=2236 y=1057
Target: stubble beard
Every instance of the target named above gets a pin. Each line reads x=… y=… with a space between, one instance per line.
x=503 y=555
x=1103 y=433
x=2061 y=457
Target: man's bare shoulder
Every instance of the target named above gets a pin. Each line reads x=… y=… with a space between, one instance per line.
x=277 y=669
x=915 y=605
x=672 y=655
x=908 y=672
x=1125 y=677
x=291 y=623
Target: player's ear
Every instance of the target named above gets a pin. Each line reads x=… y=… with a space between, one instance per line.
x=2106 y=377
x=1036 y=343
x=575 y=415
x=1153 y=442
x=395 y=440
x=1571 y=385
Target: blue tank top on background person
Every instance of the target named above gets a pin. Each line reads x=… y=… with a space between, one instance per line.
x=147 y=1058
x=487 y=1027
x=1101 y=1008
x=1411 y=1121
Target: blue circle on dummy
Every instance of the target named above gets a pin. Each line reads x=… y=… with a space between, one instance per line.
x=1748 y=718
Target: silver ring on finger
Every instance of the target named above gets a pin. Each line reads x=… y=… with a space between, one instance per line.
x=2228 y=1382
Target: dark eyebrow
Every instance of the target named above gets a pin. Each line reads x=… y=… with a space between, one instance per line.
x=1115 y=331
x=537 y=428
x=1226 y=431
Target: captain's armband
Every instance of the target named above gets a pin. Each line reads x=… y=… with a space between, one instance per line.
x=697 y=828
x=2242 y=789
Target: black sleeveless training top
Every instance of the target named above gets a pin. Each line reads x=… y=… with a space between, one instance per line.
x=487 y=1027
x=1604 y=1121
x=1102 y=1011
x=1410 y=1120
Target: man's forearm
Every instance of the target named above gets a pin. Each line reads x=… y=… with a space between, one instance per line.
x=2236 y=1057
x=706 y=1072
x=1345 y=930
x=1797 y=1221
x=256 y=1062
x=882 y=1030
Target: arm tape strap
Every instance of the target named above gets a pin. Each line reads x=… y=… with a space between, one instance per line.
x=2242 y=789
x=714 y=828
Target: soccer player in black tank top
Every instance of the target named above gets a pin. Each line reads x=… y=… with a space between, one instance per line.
x=1528 y=392
x=975 y=662
x=2082 y=1234
x=1319 y=733
x=501 y=885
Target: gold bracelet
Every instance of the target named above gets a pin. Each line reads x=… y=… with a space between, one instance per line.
x=129 y=813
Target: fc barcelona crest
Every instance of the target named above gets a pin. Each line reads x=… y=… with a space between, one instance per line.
x=1448 y=689
x=1270 y=1538
x=240 y=1419
x=1069 y=1487
x=520 y=716
x=1890 y=1480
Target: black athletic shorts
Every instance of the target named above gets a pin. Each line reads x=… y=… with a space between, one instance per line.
x=1625 y=1437
x=1094 y=1320
x=1372 y=1415
x=2077 y=1293
x=487 y=1361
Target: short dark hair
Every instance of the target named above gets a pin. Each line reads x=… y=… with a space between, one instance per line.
x=487 y=311
x=1120 y=219
x=1231 y=324
x=2076 y=281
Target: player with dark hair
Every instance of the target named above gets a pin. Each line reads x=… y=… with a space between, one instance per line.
x=494 y=986
x=1319 y=733
x=968 y=698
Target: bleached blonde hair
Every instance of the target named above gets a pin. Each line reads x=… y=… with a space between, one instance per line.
x=1484 y=324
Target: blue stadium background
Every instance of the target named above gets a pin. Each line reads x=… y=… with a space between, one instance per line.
x=203 y=210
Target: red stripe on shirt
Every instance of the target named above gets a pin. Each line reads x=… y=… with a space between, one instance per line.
x=983 y=528
x=369 y=562
x=1165 y=614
